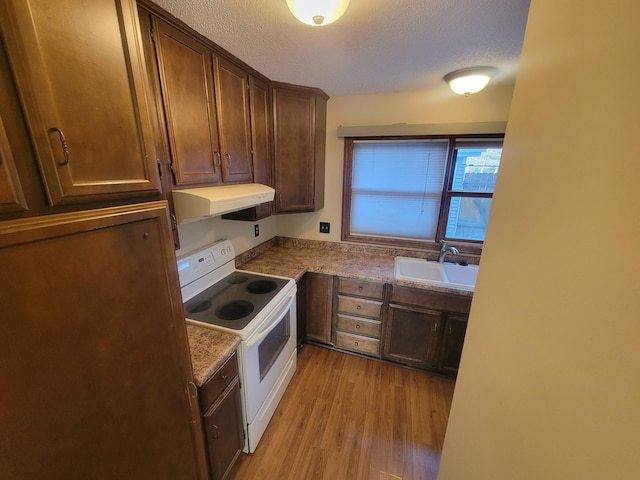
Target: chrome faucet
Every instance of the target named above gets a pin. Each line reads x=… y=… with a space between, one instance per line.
x=445 y=250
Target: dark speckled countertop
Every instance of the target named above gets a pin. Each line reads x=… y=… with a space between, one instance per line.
x=209 y=350
x=292 y=258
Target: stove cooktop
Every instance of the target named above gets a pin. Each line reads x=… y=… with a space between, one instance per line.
x=235 y=300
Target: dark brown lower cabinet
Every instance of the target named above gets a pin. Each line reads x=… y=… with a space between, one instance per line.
x=455 y=328
x=301 y=312
x=319 y=307
x=426 y=329
x=222 y=407
x=412 y=326
x=95 y=368
x=411 y=336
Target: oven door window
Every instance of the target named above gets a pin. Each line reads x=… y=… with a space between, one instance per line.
x=272 y=345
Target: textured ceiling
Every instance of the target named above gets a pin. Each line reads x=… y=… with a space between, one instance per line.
x=378 y=46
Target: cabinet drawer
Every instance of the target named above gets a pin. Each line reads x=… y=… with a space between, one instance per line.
x=432 y=300
x=360 y=326
x=360 y=307
x=357 y=343
x=360 y=288
x=212 y=389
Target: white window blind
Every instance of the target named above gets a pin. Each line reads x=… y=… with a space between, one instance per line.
x=397 y=187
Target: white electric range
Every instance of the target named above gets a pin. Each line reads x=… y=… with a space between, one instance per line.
x=261 y=310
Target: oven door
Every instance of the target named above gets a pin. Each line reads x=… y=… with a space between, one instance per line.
x=267 y=353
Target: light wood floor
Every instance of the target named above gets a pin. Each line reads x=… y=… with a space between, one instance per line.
x=346 y=417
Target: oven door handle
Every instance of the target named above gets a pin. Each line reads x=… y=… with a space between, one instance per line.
x=266 y=330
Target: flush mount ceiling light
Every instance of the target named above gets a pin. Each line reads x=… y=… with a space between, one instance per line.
x=470 y=80
x=317 y=12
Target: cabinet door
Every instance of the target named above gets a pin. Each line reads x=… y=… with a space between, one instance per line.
x=301 y=311
x=81 y=78
x=186 y=78
x=319 y=307
x=96 y=377
x=295 y=151
x=260 y=103
x=232 y=103
x=261 y=131
x=11 y=195
x=452 y=341
x=411 y=336
x=224 y=432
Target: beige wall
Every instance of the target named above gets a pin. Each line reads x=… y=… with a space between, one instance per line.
x=549 y=386
x=422 y=107
x=198 y=234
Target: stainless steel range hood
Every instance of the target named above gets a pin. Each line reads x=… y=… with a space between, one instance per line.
x=192 y=204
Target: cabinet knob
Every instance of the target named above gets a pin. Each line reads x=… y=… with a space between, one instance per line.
x=357 y=325
x=358 y=307
x=360 y=288
x=356 y=344
x=224 y=377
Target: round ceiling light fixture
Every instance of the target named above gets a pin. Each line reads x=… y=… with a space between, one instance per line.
x=317 y=12
x=470 y=80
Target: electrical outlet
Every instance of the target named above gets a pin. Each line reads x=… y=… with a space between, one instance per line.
x=256 y=230
x=325 y=227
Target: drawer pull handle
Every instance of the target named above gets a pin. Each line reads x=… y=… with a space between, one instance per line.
x=216 y=435
x=224 y=377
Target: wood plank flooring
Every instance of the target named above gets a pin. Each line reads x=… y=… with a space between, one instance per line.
x=347 y=417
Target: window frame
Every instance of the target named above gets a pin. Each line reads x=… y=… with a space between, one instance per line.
x=466 y=246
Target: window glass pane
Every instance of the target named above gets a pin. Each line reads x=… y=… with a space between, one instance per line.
x=468 y=218
x=396 y=187
x=476 y=169
x=400 y=166
x=395 y=216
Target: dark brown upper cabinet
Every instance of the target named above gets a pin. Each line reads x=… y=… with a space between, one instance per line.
x=261 y=140
x=186 y=80
x=81 y=79
x=300 y=116
x=11 y=195
x=232 y=106
x=206 y=109
x=261 y=133
x=260 y=114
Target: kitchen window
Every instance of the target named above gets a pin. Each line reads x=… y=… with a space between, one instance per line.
x=415 y=190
